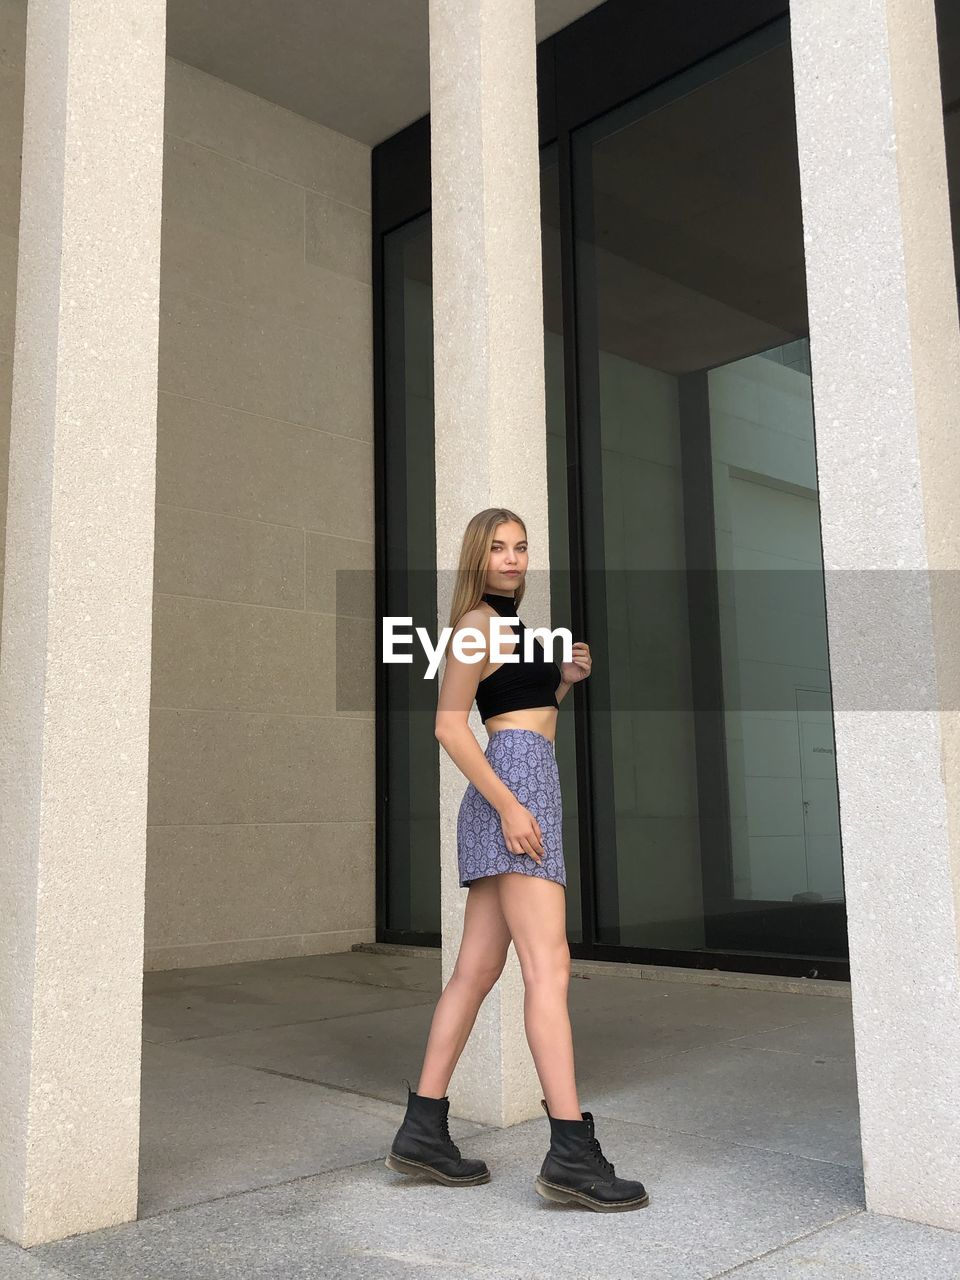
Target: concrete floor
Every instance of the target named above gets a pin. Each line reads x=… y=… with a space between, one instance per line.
x=272 y=1090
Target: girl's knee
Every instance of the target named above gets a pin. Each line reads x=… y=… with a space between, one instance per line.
x=480 y=977
x=546 y=966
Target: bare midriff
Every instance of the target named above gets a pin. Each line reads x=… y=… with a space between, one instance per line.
x=541 y=720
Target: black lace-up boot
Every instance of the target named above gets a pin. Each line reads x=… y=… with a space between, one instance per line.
x=423 y=1145
x=575 y=1169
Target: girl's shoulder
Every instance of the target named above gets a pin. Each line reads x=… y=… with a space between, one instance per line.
x=476 y=617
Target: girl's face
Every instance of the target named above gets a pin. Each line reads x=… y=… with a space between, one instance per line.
x=508 y=558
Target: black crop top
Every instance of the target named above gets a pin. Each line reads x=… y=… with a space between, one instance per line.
x=514 y=686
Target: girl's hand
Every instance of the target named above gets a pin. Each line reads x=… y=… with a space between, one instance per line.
x=580 y=667
x=522 y=833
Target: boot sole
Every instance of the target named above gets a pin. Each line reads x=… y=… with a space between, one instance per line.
x=400 y=1164
x=564 y=1195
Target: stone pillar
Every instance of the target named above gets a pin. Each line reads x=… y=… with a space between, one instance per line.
x=489 y=410
x=885 y=349
x=77 y=608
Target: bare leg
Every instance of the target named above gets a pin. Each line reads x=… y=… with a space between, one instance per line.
x=480 y=961
x=535 y=912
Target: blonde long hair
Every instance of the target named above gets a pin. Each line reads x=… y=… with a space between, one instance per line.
x=471 y=580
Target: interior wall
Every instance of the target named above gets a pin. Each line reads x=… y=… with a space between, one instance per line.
x=261 y=795
x=261 y=784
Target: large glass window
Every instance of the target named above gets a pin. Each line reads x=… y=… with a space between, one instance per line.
x=560 y=601
x=717 y=825
x=701 y=820
x=412 y=828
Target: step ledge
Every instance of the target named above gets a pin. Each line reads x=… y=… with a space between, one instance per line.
x=658 y=973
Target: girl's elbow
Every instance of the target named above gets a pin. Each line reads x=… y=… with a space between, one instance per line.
x=443 y=731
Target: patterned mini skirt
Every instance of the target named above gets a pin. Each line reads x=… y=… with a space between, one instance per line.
x=526 y=761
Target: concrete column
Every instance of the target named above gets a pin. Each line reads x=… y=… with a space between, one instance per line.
x=490 y=412
x=77 y=607
x=885 y=348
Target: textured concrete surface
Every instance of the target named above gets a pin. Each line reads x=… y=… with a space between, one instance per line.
x=736 y=1108
x=20 y=1264
x=241 y=1127
x=77 y=604
x=885 y=356
x=489 y=409
x=693 y=1057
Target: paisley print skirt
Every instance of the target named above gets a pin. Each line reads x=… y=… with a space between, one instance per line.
x=526 y=761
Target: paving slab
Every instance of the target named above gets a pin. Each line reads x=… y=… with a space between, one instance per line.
x=253 y=1002
x=414 y=972
x=825 y=1037
x=370 y=1053
x=747 y=1009
x=20 y=1264
x=272 y=1089
x=611 y=1035
x=211 y=1129
x=614 y=1030
x=796 y=1104
x=867 y=1246
x=714 y=1206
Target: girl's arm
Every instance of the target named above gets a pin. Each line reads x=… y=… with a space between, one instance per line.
x=458 y=689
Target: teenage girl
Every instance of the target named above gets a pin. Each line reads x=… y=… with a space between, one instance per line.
x=510 y=858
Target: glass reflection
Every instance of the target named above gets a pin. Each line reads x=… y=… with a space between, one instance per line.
x=712 y=770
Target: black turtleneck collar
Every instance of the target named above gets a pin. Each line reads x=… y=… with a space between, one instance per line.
x=506 y=606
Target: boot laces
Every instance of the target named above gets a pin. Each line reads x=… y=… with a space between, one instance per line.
x=593 y=1145
x=445 y=1131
